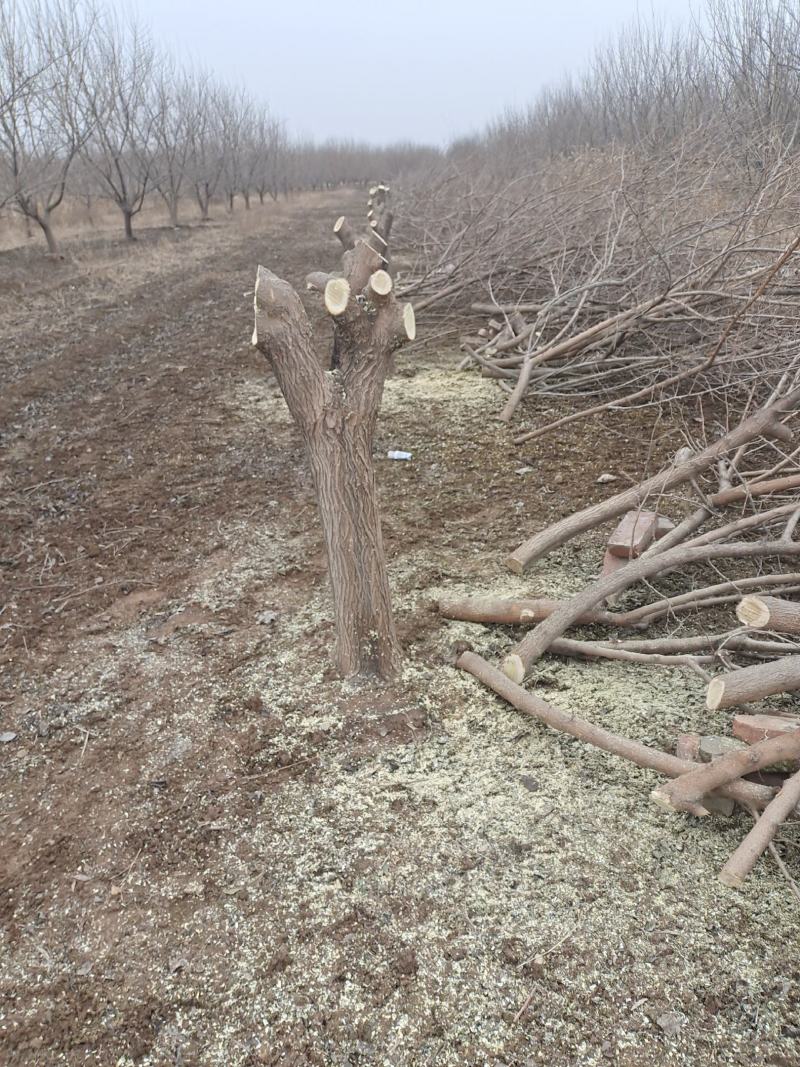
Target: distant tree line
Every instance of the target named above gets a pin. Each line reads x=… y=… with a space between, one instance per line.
x=732 y=77
x=91 y=107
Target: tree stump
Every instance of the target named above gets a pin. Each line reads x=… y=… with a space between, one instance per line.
x=336 y=411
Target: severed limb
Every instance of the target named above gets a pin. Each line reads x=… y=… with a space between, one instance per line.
x=754 y=683
x=512 y=612
x=345 y=232
x=733 y=641
x=769 y=613
x=723 y=498
x=642 y=755
x=764 y=421
x=529 y=611
x=760 y=837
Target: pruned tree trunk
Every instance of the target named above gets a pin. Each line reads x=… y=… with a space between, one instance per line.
x=128 y=217
x=336 y=411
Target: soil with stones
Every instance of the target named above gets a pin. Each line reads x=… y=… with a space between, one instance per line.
x=214 y=852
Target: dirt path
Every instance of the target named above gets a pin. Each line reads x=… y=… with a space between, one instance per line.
x=213 y=853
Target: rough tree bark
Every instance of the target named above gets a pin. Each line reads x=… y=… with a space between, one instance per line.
x=746 y=855
x=753 y=683
x=336 y=411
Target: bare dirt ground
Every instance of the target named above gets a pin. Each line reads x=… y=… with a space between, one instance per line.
x=215 y=853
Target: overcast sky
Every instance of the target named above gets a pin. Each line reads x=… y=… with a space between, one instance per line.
x=423 y=70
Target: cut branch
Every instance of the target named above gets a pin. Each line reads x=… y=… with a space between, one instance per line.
x=686 y=793
x=748 y=853
x=570 y=527
x=638 y=753
x=539 y=639
x=754 y=683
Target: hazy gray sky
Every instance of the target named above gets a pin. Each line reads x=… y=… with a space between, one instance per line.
x=424 y=70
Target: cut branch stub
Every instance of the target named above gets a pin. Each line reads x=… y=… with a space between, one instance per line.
x=283 y=333
x=409 y=321
x=360 y=262
x=344 y=231
x=337 y=296
x=380 y=284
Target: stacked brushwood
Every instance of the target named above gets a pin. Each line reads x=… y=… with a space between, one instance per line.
x=610 y=277
x=734 y=544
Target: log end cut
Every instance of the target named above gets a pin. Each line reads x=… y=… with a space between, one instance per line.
x=380 y=283
x=513 y=668
x=731 y=879
x=715 y=693
x=752 y=611
x=337 y=296
x=409 y=321
x=515 y=563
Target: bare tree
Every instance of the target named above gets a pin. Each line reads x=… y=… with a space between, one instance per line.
x=123 y=149
x=272 y=160
x=235 y=117
x=173 y=106
x=206 y=150
x=43 y=126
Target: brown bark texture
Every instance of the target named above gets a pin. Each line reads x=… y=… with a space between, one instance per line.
x=336 y=411
x=753 y=683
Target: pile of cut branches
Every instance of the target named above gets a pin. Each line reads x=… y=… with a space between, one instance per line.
x=733 y=543
x=613 y=277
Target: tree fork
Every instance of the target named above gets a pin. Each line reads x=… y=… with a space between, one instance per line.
x=336 y=412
